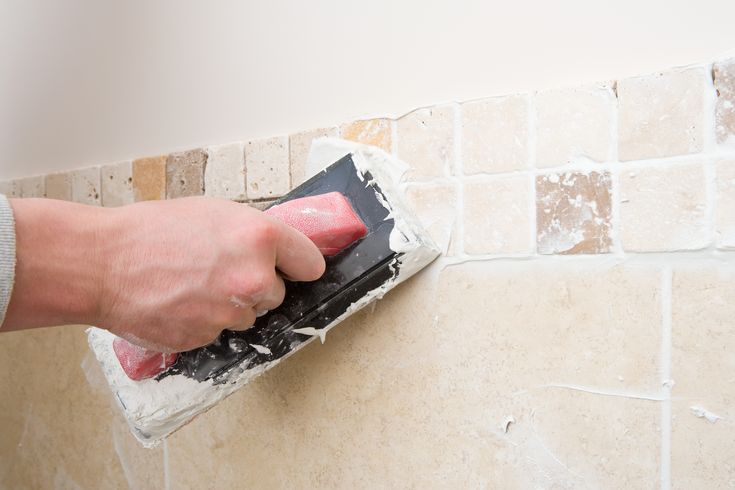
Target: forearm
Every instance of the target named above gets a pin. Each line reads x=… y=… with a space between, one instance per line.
x=59 y=271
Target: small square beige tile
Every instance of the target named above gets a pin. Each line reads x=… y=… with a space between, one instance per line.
x=437 y=208
x=299 y=146
x=267 y=167
x=149 y=178
x=375 y=132
x=725 y=205
x=573 y=213
x=117 y=184
x=85 y=186
x=58 y=186
x=185 y=173
x=724 y=79
x=33 y=186
x=661 y=115
x=225 y=176
x=426 y=142
x=497 y=216
x=573 y=124
x=664 y=209
x=495 y=135
x=703 y=369
x=11 y=188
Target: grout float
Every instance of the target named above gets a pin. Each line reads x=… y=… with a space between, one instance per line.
x=154 y=409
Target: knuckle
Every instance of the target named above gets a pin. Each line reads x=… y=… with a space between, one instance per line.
x=265 y=233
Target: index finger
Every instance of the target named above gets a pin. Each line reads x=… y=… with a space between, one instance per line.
x=296 y=256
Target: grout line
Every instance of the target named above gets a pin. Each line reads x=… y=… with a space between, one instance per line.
x=459 y=171
x=531 y=163
x=166 y=472
x=615 y=206
x=710 y=106
x=666 y=380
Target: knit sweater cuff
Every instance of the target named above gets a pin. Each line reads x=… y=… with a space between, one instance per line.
x=7 y=255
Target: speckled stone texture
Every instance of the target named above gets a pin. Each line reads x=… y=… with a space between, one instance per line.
x=33 y=186
x=375 y=132
x=573 y=213
x=85 y=186
x=267 y=167
x=225 y=173
x=724 y=79
x=185 y=173
x=58 y=186
x=426 y=142
x=117 y=184
x=149 y=178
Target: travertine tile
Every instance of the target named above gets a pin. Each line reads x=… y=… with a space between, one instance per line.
x=497 y=216
x=185 y=173
x=574 y=123
x=725 y=205
x=225 y=173
x=117 y=184
x=267 y=167
x=495 y=135
x=149 y=178
x=33 y=186
x=375 y=132
x=58 y=186
x=437 y=208
x=703 y=369
x=299 y=145
x=10 y=188
x=426 y=142
x=724 y=78
x=664 y=209
x=85 y=186
x=573 y=213
x=661 y=115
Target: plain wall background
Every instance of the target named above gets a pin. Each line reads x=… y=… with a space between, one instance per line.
x=92 y=81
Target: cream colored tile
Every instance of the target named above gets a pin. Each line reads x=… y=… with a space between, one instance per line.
x=703 y=369
x=495 y=135
x=574 y=123
x=497 y=216
x=11 y=188
x=426 y=142
x=574 y=213
x=185 y=173
x=149 y=178
x=725 y=205
x=224 y=175
x=437 y=208
x=85 y=186
x=299 y=146
x=661 y=115
x=267 y=167
x=723 y=74
x=117 y=184
x=58 y=186
x=33 y=186
x=664 y=209
x=375 y=132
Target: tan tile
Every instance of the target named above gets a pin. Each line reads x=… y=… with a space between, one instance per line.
x=703 y=369
x=664 y=209
x=58 y=186
x=11 y=188
x=224 y=175
x=56 y=427
x=574 y=123
x=267 y=167
x=661 y=115
x=117 y=184
x=724 y=78
x=375 y=132
x=725 y=205
x=497 y=216
x=573 y=213
x=85 y=186
x=426 y=142
x=299 y=145
x=185 y=173
x=495 y=135
x=437 y=208
x=149 y=178
x=33 y=186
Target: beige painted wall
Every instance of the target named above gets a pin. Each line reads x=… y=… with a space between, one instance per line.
x=86 y=82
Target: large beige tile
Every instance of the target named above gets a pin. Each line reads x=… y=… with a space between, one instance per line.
x=426 y=142
x=117 y=184
x=725 y=205
x=375 y=132
x=56 y=426
x=437 y=208
x=58 y=186
x=661 y=115
x=185 y=173
x=85 y=186
x=149 y=178
x=703 y=369
x=224 y=175
x=268 y=173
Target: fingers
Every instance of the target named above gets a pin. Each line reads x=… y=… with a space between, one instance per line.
x=296 y=256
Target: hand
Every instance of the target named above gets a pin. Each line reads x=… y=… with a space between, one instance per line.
x=179 y=272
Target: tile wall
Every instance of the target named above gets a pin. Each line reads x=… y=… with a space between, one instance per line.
x=578 y=332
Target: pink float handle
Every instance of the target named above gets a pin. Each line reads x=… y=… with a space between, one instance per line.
x=328 y=220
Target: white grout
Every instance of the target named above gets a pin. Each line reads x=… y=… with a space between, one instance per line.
x=666 y=379
x=532 y=157
x=459 y=171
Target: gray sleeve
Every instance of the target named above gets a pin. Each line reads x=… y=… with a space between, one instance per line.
x=7 y=255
